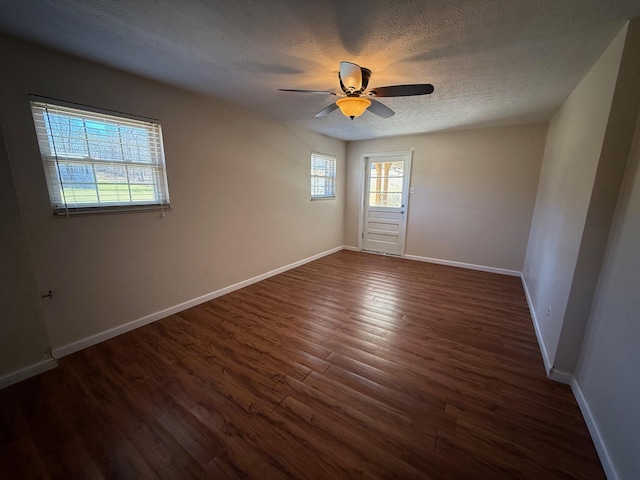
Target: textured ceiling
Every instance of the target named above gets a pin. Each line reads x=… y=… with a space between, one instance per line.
x=491 y=62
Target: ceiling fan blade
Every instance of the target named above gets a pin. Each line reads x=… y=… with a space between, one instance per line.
x=350 y=77
x=380 y=109
x=324 y=92
x=402 y=90
x=327 y=110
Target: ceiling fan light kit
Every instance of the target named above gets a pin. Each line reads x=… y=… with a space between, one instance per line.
x=353 y=107
x=354 y=81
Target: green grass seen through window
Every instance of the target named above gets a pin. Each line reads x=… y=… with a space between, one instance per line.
x=109 y=193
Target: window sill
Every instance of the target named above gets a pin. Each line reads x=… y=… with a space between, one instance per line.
x=313 y=199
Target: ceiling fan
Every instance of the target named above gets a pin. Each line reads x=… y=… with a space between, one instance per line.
x=354 y=81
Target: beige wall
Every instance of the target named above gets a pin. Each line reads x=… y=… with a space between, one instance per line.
x=583 y=266
x=571 y=157
x=239 y=187
x=474 y=192
x=23 y=339
x=614 y=155
x=608 y=373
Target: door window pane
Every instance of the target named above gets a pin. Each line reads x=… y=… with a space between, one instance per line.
x=386 y=182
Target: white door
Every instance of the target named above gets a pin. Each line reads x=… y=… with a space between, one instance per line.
x=384 y=218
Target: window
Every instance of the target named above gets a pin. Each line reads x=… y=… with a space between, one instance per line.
x=323 y=176
x=96 y=162
x=386 y=181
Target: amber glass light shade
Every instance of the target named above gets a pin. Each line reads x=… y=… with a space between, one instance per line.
x=353 y=106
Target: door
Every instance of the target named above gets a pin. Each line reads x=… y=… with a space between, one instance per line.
x=384 y=218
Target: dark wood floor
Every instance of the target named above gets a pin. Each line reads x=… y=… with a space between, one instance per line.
x=353 y=366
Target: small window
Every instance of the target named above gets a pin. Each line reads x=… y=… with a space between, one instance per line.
x=96 y=162
x=323 y=176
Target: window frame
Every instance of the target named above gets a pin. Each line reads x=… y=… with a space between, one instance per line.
x=327 y=158
x=142 y=159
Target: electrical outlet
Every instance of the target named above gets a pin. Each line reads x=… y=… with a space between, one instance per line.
x=549 y=311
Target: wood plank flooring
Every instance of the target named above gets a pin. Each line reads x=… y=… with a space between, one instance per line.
x=352 y=366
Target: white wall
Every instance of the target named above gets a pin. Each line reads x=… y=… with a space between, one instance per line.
x=474 y=192
x=569 y=168
x=239 y=187
x=608 y=369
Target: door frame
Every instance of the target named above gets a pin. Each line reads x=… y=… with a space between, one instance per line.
x=362 y=168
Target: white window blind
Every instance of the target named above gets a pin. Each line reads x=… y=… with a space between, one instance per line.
x=323 y=176
x=96 y=162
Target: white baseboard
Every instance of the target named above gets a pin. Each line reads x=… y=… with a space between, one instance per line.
x=536 y=327
x=560 y=376
x=351 y=248
x=603 y=452
x=127 y=327
x=470 y=266
x=27 y=372
x=569 y=379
